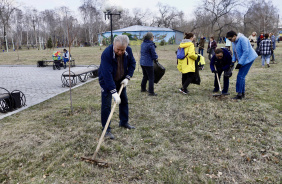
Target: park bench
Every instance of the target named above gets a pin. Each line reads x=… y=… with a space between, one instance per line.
x=57 y=64
x=70 y=78
x=11 y=101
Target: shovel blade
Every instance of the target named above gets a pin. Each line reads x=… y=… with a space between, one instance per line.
x=98 y=162
x=216 y=95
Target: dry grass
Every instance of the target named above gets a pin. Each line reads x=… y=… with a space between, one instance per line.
x=179 y=139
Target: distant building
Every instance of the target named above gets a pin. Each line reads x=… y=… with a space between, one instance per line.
x=136 y=33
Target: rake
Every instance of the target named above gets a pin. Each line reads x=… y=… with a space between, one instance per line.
x=93 y=158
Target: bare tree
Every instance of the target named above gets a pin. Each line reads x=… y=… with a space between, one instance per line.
x=6 y=10
x=216 y=9
x=260 y=16
x=168 y=15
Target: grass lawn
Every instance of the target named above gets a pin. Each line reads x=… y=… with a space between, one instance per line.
x=192 y=138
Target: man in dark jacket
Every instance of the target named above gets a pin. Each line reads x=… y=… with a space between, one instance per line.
x=202 y=45
x=116 y=68
x=220 y=62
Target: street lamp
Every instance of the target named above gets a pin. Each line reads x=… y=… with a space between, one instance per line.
x=108 y=14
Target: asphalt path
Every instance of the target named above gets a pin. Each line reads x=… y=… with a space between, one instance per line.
x=37 y=83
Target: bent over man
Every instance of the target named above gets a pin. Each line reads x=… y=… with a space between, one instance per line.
x=116 y=68
x=222 y=60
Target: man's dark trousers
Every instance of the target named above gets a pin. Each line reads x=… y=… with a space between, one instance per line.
x=225 y=82
x=106 y=107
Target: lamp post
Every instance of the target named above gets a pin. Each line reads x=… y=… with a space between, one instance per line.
x=109 y=14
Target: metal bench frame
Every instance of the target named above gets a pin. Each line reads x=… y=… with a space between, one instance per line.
x=9 y=101
x=70 y=78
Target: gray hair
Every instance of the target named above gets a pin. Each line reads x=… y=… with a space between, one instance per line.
x=122 y=39
x=148 y=36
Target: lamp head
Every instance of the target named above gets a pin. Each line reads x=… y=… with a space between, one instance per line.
x=119 y=9
x=107 y=8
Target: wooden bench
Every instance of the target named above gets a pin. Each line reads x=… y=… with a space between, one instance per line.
x=57 y=64
x=10 y=101
x=70 y=78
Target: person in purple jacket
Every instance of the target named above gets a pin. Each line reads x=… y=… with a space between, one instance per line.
x=116 y=68
x=221 y=61
x=148 y=55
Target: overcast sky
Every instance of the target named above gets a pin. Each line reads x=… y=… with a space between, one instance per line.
x=187 y=6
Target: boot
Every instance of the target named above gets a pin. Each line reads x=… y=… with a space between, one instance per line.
x=238 y=96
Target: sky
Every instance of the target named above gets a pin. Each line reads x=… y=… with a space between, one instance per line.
x=187 y=6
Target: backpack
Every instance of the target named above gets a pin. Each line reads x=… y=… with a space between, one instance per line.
x=180 y=54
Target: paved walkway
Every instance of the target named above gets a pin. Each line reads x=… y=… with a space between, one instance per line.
x=37 y=83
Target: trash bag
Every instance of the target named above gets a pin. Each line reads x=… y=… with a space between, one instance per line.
x=196 y=78
x=159 y=71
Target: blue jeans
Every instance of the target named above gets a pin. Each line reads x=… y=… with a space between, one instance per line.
x=106 y=107
x=265 y=58
x=240 y=83
x=273 y=56
x=225 y=82
x=148 y=74
x=201 y=51
x=66 y=60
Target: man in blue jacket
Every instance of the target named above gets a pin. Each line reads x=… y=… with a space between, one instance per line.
x=222 y=60
x=116 y=68
x=273 y=40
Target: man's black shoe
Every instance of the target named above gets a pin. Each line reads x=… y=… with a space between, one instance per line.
x=144 y=91
x=238 y=97
x=243 y=95
x=214 y=91
x=127 y=126
x=152 y=94
x=225 y=93
x=109 y=135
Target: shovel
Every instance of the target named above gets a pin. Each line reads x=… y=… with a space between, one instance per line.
x=93 y=159
x=217 y=95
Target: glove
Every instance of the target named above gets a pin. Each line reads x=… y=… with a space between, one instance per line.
x=238 y=66
x=116 y=98
x=124 y=82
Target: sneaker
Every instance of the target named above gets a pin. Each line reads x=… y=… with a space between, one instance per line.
x=109 y=135
x=183 y=91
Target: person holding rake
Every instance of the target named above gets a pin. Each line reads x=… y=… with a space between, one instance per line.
x=116 y=68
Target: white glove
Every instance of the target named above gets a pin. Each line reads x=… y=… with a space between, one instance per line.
x=124 y=82
x=116 y=98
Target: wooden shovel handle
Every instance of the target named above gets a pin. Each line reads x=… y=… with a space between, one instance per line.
x=217 y=79
x=106 y=126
